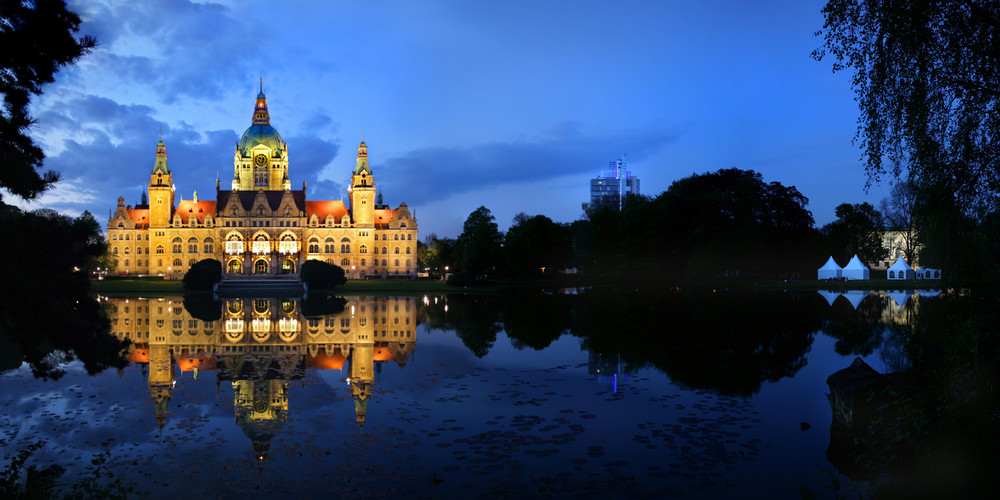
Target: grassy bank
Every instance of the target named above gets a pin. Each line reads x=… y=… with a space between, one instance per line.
x=135 y=287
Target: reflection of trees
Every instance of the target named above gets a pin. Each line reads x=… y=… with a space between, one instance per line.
x=932 y=433
x=857 y=332
x=203 y=306
x=730 y=343
x=535 y=320
x=475 y=319
x=46 y=314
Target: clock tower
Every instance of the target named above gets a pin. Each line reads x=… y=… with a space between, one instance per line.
x=261 y=159
x=161 y=208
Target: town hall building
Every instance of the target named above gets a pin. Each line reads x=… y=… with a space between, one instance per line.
x=260 y=225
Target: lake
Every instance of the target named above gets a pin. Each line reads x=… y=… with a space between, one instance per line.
x=550 y=394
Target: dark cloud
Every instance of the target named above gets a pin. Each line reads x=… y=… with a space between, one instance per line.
x=195 y=50
x=107 y=149
x=308 y=156
x=438 y=172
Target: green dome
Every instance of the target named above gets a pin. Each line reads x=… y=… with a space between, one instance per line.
x=260 y=134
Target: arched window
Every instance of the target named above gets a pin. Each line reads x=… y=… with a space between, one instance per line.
x=409 y=237
x=159 y=249
x=329 y=245
x=383 y=263
x=125 y=250
x=192 y=262
x=397 y=263
x=126 y=262
x=363 y=249
x=395 y=237
x=345 y=262
x=178 y=263
x=193 y=245
x=114 y=251
x=177 y=245
x=362 y=262
x=892 y=274
x=395 y=250
x=385 y=250
x=383 y=237
x=407 y=262
x=407 y=250
x=114 y=237
x=126 y=237
x=209 y=245
x=313 y=245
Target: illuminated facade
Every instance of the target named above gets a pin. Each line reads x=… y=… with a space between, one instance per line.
x=260 y=226
x=260 y=346
x=611 y=187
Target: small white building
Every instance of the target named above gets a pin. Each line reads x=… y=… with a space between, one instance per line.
x=926 y=273
x=900 y=271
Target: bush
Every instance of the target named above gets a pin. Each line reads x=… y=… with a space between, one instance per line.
x=320 y=275
x=203 y=275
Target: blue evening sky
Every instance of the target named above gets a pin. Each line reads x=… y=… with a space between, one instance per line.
x=514 y=105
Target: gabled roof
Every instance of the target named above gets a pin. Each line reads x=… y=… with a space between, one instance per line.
x=199 y=209
x=321 y=209
x=383 y=216
x=140 y=216
x=247 y=198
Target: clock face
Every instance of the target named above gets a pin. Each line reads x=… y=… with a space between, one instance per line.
x=260 y=160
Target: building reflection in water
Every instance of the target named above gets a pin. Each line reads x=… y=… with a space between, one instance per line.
x=260 y=346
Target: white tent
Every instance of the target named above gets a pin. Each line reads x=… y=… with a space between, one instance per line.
x=900 y=271
x=926 y=273
x=830 y=296
x=855 y=270
x=830 y=270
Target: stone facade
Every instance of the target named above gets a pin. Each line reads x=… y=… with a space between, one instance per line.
x=260 y=226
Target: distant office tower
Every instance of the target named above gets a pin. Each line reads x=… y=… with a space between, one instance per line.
x=612 y=186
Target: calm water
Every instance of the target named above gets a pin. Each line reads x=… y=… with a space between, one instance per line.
x=706 y=396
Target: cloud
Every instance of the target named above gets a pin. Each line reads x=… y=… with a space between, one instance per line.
x=428 y=174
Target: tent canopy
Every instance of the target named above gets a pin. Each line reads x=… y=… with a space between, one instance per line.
x=855 y=270
x=829 y=270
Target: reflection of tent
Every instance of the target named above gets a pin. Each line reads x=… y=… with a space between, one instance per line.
x=830 y=270
x=829 y=296
x=900 y=271
x=900 y=296
x=926 y=273
x=928 y=293
x=855 y=296
x=855 y=270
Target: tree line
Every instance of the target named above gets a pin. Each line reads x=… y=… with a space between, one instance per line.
x=725 y=225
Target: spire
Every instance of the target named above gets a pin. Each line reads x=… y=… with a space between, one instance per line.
x=160 y=166
x=144 y=201
x=260 y=115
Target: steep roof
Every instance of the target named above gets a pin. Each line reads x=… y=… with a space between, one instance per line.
x=383 y=216
x=246 y=199
x=140 y=216
x=199 y=209
x=321 y=209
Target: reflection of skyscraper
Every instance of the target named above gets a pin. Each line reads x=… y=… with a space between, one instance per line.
x=260 y=345
x=611 y=187
x=609 y=369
